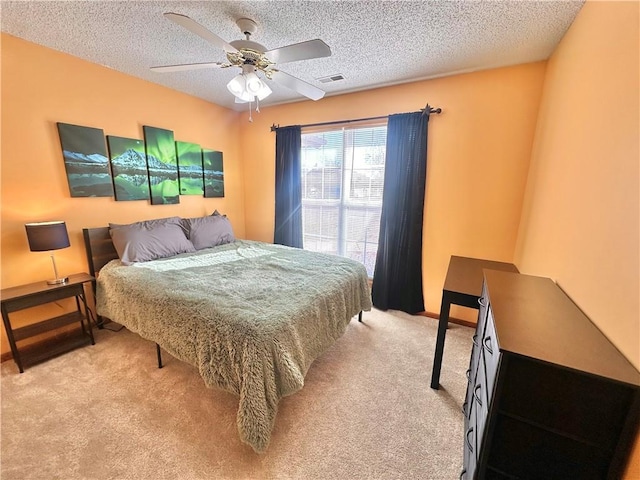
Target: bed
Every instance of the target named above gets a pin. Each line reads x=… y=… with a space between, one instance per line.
x=250 y=316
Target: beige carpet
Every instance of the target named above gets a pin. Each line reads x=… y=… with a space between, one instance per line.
x=366 y=412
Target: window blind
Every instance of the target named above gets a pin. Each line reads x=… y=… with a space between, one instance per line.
x=342 y=186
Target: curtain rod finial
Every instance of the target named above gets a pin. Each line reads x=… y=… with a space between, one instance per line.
x=274 y=127
x=429 y=110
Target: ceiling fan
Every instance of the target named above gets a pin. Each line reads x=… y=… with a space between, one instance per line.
x=252 y=57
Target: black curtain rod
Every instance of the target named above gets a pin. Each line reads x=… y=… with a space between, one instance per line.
x=428 y=110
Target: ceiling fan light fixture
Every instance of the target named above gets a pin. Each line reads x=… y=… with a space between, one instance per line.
x=246 y=87
x=246 y=97
x=264 y=91
x=253 y=83
x=237 y=85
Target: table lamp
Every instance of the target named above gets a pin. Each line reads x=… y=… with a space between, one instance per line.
x=46 y=236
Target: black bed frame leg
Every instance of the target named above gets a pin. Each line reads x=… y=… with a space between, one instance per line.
x=360 y=316
x=159 y=356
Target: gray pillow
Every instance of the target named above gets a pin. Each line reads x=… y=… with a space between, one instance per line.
x=205 y=232
x=149 y=240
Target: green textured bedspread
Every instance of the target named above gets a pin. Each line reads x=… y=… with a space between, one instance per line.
x=250 y=316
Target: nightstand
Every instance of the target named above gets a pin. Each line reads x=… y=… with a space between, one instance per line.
x=33 y=294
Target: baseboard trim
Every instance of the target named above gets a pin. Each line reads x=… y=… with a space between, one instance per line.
x=457 y=321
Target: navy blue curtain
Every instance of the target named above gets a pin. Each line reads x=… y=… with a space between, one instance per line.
x=397 y=279
x=288 y=228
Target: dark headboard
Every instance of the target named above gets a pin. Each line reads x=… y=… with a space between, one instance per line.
x=100 y=249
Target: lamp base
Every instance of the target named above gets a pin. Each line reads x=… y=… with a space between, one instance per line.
x=58 y=281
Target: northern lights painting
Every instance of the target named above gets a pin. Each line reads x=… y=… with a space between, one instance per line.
x=190 y=168
x=162 y=165
x=157 y=168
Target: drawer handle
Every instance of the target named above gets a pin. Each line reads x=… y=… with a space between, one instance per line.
x=475 y=340
x=481 y=302
x=469 y=446
x=462 y=474
x=468 y=374
x=475 y=394
x=464 y=408
x=487 y=345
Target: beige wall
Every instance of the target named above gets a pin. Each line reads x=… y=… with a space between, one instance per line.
x=580 y=224
x=41 y=87
x=478 y=159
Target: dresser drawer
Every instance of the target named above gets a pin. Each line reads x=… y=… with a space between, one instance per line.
x=475 y=355
x=466 y=406
x=470 y=441
x=470 y=460
x=471 y=372
x=491 y=353
x=480 y=401
x=483 y=307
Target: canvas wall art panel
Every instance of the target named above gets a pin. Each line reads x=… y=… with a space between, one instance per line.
x=85 y=160
x=129 y=167
x=190 y=168
x=213 y=173
x=162 y=165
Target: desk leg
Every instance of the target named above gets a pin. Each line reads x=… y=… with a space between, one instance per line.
x=86 y=316
x=12 y=343
x=442 y=331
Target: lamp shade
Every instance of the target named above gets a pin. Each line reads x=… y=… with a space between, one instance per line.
x=44 y=236
x=237 y=85
x=252 y=83
x=264 y=91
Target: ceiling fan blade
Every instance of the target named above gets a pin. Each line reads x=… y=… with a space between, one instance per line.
x=296 y=84
x=299 y=51
x=199 y=30
x=187 y=66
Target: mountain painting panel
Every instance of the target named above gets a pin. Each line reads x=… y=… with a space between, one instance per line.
x=213 y=173
x=85 y=161
x=129 y=166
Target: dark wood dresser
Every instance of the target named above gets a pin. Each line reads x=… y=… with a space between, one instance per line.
x=549 y=396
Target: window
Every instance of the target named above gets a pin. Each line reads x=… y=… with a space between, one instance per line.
x=342 y=183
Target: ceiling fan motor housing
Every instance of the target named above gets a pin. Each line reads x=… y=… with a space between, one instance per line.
x=249 y=53
x=247 y=26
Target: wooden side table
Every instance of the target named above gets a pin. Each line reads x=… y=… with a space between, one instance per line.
x=26 y=296
x=462 y=286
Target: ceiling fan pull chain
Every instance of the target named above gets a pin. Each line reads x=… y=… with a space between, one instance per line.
x=257 y=105
x=250 y=117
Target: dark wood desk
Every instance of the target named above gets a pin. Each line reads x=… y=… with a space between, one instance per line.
x=462 y=286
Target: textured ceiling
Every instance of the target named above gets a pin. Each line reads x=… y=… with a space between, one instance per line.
x=373 y=43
